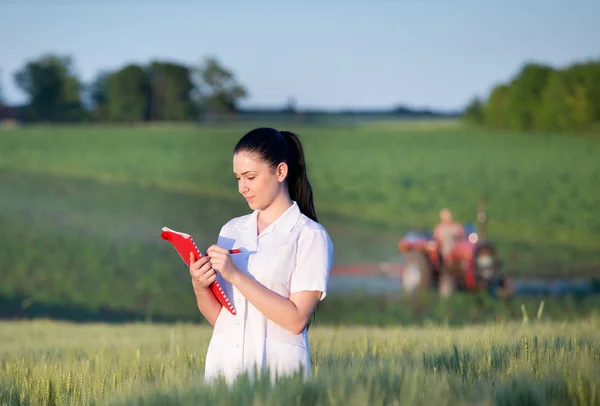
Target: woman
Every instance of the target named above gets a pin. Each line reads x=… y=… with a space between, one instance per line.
x=281 y=274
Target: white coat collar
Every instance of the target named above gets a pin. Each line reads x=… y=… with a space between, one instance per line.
x=286 y=221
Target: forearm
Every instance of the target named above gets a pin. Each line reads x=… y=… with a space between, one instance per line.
x=274 y=306
x=208 y=304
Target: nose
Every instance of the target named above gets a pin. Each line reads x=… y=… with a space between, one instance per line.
x=242 y=186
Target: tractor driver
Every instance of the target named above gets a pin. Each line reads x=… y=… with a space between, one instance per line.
x=446 y=232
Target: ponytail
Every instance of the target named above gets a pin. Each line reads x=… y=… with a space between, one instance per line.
x=298 y=184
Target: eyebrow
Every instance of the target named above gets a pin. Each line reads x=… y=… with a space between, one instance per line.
x=243 y=173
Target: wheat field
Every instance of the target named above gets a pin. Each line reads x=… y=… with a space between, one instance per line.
x=521 y=363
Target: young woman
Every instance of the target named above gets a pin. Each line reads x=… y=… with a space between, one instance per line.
x=282 y=273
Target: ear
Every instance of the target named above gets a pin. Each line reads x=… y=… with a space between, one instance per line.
x=281 y=171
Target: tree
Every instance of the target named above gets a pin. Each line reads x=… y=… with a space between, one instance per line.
x=588 y=76
x=217 y=89
x=564 y=104
x=172 y=89
x=52 y=87
x=525 y=95
x=290 y=106
x=98 y=94
x=128 y=94
x=540 y=97
x=474 y=111
x=495 y=111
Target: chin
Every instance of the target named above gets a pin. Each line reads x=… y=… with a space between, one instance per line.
x=259 y=204
x=253 y=205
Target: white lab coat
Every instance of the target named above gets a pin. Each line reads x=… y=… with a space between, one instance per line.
x=293 y=254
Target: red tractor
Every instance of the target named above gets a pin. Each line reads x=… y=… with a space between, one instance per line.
x=472 y=264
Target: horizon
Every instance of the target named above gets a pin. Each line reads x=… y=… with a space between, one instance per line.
x=345 y=61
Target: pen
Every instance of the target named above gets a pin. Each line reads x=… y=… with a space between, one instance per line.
x=236 y=251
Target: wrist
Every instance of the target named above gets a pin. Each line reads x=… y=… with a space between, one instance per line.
x=236 y=276
x=200 y=290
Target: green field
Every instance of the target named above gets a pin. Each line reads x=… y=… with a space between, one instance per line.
x=47 y=363
x=81 y=210
x=81 y=207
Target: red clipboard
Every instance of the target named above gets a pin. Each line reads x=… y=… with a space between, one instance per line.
x=184 y=244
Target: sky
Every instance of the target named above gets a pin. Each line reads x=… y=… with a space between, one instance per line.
x=366 y=54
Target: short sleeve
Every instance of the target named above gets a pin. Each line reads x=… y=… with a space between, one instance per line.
x=314 y=260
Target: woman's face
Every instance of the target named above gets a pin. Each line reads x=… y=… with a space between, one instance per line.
x=257 y=182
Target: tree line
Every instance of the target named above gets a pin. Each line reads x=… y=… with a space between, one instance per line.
x=157 y=91
x=537 y=97
x=543 y=98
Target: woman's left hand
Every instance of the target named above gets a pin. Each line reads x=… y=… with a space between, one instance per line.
x=221 y=261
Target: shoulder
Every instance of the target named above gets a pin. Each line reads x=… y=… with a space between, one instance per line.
x=314 y=248
x=311 y=232
x=235 y=224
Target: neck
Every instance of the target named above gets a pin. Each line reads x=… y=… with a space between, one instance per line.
x=275 y=209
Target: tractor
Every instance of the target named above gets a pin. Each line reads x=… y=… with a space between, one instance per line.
x=472 y=265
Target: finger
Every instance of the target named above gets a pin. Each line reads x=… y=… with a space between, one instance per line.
x=216 y=256
x=216 y=259
x=214 y=266
x=203 y=260
x=211 y=279
x=218 y=252
x=194 y=266
x=204 y=269
x=215 y=248
x=209 y=274
x=200 y=262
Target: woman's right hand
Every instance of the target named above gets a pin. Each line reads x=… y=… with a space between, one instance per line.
x=202 y=272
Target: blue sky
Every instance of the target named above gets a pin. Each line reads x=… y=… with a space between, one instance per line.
x=353 y=54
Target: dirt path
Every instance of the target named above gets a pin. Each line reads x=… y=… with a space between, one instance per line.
x=372 y=276
x=374 y=269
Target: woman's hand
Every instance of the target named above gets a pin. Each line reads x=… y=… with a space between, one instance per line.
x=220 y=258
x=202 y=272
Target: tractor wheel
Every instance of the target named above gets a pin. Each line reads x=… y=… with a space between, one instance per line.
x=416 y=273
x=447 y=285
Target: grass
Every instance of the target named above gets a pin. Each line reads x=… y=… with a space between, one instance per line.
x=81 y=206
x=540 y=363
x=540 y=190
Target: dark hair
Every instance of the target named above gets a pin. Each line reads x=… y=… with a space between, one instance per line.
x=275 y=147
